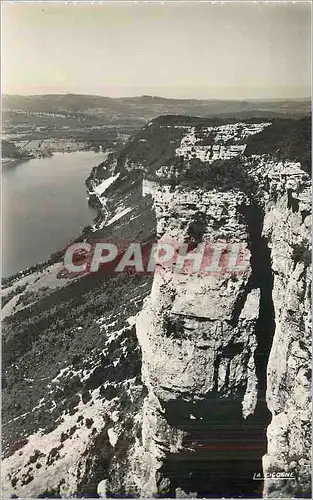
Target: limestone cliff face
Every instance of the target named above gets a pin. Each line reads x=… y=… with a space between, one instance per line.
x=287 y=224
x=199 y=340
x=223 y=350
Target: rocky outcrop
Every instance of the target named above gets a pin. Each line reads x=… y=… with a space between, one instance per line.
x=287 y=227
x=215 y=347
x=199 y=338
x=225 y=355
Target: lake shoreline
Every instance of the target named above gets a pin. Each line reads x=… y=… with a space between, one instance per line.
x=82 y=162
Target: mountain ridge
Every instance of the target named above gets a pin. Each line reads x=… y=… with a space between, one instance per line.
x=82 y=102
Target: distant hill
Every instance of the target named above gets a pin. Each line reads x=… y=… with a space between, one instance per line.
x=147 y=107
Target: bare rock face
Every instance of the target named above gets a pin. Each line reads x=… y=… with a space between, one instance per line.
x=287 y=227
x=222 y=350
x=199 y=340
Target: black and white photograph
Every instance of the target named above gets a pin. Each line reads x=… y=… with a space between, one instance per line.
x=156 y=249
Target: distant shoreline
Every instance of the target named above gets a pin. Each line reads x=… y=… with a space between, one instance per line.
x=10 y=162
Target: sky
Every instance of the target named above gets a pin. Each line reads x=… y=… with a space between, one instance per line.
x=236 y=50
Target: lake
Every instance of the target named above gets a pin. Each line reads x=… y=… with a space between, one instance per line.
x=44 y=207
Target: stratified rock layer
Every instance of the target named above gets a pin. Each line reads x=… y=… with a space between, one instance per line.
x=287 y=226
x=198 y=336
x=208 y=342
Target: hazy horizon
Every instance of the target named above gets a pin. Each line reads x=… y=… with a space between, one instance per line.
x=232 y=51
x=159 y=96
